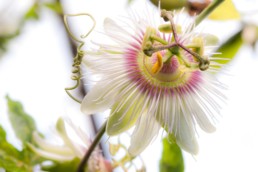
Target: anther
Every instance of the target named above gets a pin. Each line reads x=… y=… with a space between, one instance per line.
x=164 y=15
x=158 y=65
x=204 y=63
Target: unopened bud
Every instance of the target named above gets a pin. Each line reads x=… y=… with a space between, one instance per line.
x=170 y=4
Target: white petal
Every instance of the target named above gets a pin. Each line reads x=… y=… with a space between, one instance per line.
x=146 y=128
x=79 y=132
x=185 y=136
x=96 y=101
x=50 y=155
x=58 y=149
x=115 y=31
x=77 y=149
x=195 y=105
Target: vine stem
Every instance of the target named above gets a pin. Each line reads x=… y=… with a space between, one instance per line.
x=95 y=142
x=207 y=11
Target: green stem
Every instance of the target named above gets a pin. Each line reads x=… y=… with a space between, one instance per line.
x=91 y=148
x=207 y=11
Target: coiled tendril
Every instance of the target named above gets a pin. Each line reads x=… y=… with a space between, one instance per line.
x=76 y=72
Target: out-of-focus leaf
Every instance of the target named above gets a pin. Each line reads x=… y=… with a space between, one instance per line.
x=22 y=123
x=170 y=4
x=70 y=166
x=4 y=39
x=229 y=49
x=55 y=6
x=226 y=11
x=11 y=159
x=32 y=13
x=172 y=158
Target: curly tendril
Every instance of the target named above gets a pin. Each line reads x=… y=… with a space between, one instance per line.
x=76 y=72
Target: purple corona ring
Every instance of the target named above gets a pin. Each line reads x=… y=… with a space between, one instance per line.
x=155 y=76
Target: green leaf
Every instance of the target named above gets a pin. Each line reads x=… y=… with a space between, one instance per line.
x=11 y=159
x=229 y=49
x=70 y=166
x=54 y=6
x=22 y=123
x=172 y=158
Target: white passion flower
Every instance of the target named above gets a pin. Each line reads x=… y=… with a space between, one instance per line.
x=153 y=76
x=74 y=146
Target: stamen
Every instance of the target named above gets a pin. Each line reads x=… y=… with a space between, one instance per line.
x=158 y=65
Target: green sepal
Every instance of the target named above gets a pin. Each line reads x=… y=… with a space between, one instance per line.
x=70 y=166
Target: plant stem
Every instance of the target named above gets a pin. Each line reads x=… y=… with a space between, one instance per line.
x=207 y=11
x=91 y=148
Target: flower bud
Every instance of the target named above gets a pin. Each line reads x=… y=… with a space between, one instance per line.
x=170 y=4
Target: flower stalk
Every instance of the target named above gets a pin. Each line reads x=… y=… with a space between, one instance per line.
x=207 y=11
x=92 y=148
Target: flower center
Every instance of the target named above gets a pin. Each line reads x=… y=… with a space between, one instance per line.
x=157 y=65
x=170 y=73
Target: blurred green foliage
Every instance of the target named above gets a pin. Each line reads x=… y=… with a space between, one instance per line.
x=24 y=160
x=229 y=49
x=22 y=123
x=11 y=159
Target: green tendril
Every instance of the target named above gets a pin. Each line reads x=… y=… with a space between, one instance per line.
x=77 y=60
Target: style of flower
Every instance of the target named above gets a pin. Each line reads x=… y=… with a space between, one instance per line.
x=154 y=76
x=70 y=148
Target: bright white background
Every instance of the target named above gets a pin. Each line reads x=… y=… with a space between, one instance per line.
x=36 y=69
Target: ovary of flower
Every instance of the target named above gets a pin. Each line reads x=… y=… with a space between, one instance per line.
x=152 y=82
x=70 y=148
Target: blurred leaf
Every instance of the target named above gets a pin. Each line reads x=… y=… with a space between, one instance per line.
x=170 y=4
x=6 y=147
x=226 y=11
x=32 y=13
x=4 y=39
x=70 y=166
x=54 y=6
x=22 y=123
x=229 y=49
x=11 y=159
x=172 y=158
